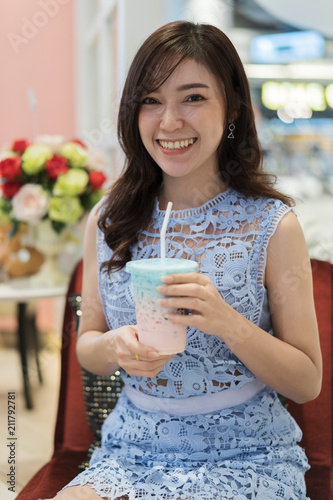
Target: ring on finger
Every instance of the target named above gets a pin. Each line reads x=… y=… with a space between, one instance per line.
x=136 y=356
x=204 y=292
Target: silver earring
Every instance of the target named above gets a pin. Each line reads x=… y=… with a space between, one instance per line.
x=231 y=129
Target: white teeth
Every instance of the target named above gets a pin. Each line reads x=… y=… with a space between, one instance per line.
x=177 y=144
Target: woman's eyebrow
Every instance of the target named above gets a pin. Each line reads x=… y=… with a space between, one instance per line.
x=189 y=86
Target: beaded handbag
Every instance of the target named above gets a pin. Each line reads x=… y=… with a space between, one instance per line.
x=100 y=392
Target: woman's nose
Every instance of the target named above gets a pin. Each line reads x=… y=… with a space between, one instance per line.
x=171 y=119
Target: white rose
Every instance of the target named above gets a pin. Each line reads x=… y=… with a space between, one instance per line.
x=30 y=203
x=54 y=142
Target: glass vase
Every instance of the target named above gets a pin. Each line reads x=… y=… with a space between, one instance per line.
x=50 y=244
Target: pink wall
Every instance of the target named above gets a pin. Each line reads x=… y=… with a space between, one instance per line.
x=36 y=51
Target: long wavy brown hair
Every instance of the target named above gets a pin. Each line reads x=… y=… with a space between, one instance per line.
x=128 y=206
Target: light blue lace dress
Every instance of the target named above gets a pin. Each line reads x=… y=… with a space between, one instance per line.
x=244 y=452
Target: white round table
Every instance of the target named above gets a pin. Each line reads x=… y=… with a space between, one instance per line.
x=21 y=291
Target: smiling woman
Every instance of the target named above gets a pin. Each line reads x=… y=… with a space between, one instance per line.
x=207 y=422
x=181 y=126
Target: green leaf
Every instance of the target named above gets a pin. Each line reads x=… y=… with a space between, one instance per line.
x=58 y=226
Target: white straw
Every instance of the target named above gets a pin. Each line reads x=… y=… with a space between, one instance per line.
x=163 y=230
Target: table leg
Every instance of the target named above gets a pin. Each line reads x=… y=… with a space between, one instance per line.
x=22 y=333
x=36 y=349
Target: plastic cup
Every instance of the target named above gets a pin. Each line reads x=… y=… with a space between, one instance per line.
x=154 y=328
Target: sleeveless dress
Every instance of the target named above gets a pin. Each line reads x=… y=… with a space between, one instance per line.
x=243 y=452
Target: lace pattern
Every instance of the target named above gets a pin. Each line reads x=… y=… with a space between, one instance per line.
x=228 y=237
x=232 y=454
x=245 y=452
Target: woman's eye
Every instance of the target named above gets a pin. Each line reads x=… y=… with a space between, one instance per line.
x=195 y=98
x=149 y=100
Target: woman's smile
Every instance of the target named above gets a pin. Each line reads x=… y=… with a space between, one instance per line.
x=176 y=146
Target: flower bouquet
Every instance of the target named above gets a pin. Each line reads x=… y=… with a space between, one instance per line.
x=52 y=180
x=49 y=185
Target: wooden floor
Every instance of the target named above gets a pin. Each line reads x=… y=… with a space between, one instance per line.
x=33 y=428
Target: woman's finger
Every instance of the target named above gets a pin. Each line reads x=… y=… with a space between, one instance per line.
x=191 y=303
x=186 y=278
x=197 y=290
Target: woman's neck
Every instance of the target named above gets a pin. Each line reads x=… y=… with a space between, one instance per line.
x=183 y=195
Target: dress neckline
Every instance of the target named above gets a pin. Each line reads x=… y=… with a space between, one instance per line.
x=187 y=212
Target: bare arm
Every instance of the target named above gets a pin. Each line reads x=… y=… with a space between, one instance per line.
x=101 y=350
x=92 y=347
x=290 y=362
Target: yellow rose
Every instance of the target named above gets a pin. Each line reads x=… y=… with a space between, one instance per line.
x=72 y=183
x=65 y=209
x=75 y=154
x=35 y=157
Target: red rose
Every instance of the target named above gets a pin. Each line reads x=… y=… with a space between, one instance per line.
x=77 y=141
x=96 y=179
x=10 y=167
x=20 y=146
x=10 y=189
x=55 y=166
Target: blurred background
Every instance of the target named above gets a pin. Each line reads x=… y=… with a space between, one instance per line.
x=63 y=67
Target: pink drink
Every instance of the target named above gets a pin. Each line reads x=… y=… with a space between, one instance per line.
x=153 y=327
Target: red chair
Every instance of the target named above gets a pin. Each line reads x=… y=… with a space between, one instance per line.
x=316 y=417
x=73 y=435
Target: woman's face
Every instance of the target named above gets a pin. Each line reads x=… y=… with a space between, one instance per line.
x=182 y=122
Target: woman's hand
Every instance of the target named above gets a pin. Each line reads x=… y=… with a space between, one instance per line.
x=135 y=358
x=194 y=291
